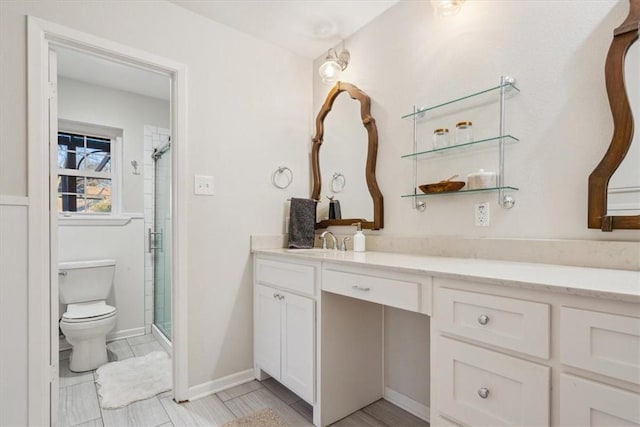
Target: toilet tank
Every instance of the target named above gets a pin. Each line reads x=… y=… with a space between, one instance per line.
x=80 y=281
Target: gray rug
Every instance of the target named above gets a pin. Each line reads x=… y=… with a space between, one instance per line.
x=264 y=418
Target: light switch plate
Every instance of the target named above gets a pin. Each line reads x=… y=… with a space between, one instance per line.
x=203 y=185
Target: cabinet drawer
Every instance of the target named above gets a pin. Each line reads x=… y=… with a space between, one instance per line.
x=588 y=403
x=392 y=292
x=288 y=275
x=604 y=343
x=481 y=387
x=518 y=325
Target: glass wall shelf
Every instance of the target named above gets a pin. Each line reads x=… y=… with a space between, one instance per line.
x=506 y=201
x=506 y=138
x=477 y=190
x=508 y=85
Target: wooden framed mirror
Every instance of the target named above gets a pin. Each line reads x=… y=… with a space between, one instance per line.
x=371 y=217
x=600 y=215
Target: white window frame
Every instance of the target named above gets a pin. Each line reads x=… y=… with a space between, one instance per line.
x=114 y=217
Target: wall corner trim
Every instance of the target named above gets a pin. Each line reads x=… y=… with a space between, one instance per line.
x=13 y=200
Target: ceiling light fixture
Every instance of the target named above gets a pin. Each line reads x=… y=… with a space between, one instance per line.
x=444 y=8
x=334 y=65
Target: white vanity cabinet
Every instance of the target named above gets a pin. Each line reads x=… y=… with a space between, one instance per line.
x=284 y=324
x=505 y=356
x=510 y=344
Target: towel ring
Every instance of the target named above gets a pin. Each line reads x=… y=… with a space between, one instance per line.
x=282 y=170
x=338 y=182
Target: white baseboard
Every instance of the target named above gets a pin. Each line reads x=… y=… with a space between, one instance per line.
x=211 y=387
x=118 y=335
x=413 y=407
x=126 y=333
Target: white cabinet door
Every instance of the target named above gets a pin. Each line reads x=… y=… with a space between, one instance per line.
x=588 y=403
x=298 y=320
x=267 y=318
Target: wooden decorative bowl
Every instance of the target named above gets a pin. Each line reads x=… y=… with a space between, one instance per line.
x=441 y=187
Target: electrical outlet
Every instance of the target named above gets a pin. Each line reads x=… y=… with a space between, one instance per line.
x=481 y=212
x=203 y=185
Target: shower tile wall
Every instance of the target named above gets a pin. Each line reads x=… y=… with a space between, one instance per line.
x=153 y=137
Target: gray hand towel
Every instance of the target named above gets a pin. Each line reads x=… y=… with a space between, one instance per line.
x=302 y=223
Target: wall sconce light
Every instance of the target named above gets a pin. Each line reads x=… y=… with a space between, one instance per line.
x=334 y=65
x=444 y=8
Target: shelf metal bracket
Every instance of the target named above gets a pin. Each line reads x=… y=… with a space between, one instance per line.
x=505 y=201
x=418 y=205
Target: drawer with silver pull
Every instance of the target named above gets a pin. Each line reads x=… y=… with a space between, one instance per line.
x=604 y=343
x=381 y=290
x=297 y=277
x=513 y=324
x=484 y=388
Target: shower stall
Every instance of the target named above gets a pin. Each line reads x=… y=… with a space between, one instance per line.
x=160 y=238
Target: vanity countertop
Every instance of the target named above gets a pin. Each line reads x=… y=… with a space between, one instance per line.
x=595 y=282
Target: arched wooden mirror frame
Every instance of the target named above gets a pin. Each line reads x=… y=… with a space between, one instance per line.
x=372 y=154
x=623 y=37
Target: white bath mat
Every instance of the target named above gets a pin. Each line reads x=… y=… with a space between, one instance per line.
x=138 y=378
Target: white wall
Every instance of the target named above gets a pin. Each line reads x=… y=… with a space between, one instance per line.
x=249 y=111
x=88 y=103
x=13 y=313
x=556 y=51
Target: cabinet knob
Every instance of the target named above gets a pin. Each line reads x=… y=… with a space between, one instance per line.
x=483 y=392
x=276 y=295
x=483 y=319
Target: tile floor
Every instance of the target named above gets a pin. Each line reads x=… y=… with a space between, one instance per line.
x=78 y=401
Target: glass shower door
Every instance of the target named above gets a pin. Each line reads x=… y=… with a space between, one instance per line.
x=161 y=238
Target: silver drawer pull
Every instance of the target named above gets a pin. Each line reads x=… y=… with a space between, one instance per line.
x=483 y=319
x=62 y=273
x=483 y=392
x=361 y=288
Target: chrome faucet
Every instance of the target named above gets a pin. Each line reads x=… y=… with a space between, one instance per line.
x=324 y=240
x=343 y=245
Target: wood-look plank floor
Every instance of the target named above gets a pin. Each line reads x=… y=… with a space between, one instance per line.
x=79 y=405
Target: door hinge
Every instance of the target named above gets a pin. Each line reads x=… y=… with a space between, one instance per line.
x=53 y=373
x=53 y=89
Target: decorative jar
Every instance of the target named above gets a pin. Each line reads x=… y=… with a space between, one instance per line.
x=464 y=132
x=440 y=138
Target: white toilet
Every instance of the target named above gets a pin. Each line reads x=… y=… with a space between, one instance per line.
x=84 y=287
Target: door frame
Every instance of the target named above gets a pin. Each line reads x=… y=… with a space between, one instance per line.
x=42 y=217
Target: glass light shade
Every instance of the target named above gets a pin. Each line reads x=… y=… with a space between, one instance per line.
x=330 y=71
x=444 y=8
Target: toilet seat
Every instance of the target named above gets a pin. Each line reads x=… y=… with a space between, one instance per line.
x=88 y=312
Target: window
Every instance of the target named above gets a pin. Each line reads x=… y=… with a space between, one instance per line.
x=85 y=173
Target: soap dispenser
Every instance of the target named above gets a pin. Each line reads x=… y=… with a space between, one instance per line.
x=359 y=243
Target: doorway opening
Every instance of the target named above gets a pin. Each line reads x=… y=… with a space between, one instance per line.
x=90 y=183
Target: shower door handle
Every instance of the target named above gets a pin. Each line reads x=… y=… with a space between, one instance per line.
x=155 y=240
